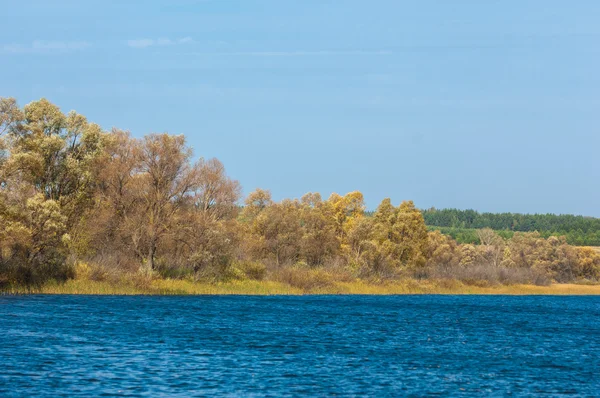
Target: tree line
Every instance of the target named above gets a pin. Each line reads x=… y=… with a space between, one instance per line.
x=71 y=193
x=462 y=224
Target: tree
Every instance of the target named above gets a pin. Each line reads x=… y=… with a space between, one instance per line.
x=345 y=211
x=319 y=241
x=492 y=246
x=256 y=202
x=56 y=154
x=441 y=250
x=207 y=231
x=47 y=181
x=112 y=228
x=216 y=194
x=277 y=232
x=167 y=181
x=10 y=114
x=401 y=234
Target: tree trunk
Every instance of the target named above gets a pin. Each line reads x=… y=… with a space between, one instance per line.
x=151 y=255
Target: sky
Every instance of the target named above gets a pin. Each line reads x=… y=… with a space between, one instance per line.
x=491 y=105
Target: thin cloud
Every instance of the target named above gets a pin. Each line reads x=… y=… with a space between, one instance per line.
x=141 y=43
x=300 y=53
x=311 y=53
x=161 y=42
x=45 y=47
x=41 y=45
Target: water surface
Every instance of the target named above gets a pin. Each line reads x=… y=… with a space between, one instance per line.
x=287 y=346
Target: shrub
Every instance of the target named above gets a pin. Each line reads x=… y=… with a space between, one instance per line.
x=303 y=278
x=487 y=275
x=252 y=269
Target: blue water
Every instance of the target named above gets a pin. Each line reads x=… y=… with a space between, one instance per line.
x=288 y=346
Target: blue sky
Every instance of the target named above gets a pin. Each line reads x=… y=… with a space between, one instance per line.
x=491 y=105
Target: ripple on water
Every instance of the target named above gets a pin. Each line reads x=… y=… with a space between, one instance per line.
x=331 y=345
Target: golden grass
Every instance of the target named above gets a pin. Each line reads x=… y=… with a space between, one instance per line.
x=246 y=287
x=251 y=287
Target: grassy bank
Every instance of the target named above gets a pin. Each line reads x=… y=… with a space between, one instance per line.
x=249 y=287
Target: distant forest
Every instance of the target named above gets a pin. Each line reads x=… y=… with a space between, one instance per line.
x=462 y=225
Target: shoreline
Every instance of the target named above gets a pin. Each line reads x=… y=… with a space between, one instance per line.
x=169 y=287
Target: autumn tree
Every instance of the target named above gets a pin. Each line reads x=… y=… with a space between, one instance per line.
x=111 y=230
x=152 y=199
x=276 y=232
x=492 y=247
x=216 y=194
x=10 y=114
x=319 y=242
x=345 y=211
x=361 y=245
x=468 y=255
x=400 y=233
x=167 y=180
x=55 y=153
x=441 y=250
x=47 y=179
x=256 y=202
x=208 y=234
x=10 y=117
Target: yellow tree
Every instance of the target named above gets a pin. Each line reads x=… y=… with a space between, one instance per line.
x=276 y=232
x=56 y=155
x=400 y=234
x=256 y=202
x=319 y=241
x=410 y=231
x=345 y=211
x=442 y=250
x=10 y=116
x=47 y=180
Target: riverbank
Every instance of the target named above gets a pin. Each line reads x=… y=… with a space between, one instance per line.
x=251 y=287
